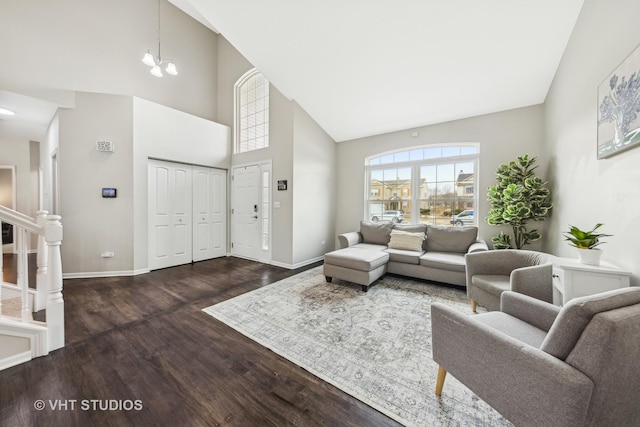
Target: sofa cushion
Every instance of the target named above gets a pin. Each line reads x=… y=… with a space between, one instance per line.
x=444 y=261
x=495 y=284
x=376 y=232
x=411 y=228
x=450 y=239
x=405 y=257
x=406 y=240
x=512 y=326
x=357 y=258
x=370 y=246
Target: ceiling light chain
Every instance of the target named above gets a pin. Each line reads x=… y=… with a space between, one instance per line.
x=157 y=62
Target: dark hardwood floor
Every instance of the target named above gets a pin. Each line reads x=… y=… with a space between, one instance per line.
x=145 y=339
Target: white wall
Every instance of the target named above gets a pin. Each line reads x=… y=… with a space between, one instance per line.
x=502 y=136
x=164 y=133
x=587 y=190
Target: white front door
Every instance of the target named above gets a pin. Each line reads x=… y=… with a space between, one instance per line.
x=170 y=219
x=245 y=233
x=209 y=213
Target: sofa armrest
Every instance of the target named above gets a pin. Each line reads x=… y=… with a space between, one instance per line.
x=535 y=281
x=528 y=309
x=477 y=246
x=525 y=384
x=349 y=239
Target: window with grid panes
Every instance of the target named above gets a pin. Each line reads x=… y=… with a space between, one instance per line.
x=251 y=112
x=428 y=184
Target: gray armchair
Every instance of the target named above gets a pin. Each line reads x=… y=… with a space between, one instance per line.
x=490 y=273
x=539 y=365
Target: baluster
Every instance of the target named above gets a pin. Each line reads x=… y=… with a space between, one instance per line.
x=24 y=266
x=55 y=302
x=41 y=261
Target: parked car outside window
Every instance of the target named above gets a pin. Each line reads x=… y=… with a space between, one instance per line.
x=393 y=216
x=465 y=217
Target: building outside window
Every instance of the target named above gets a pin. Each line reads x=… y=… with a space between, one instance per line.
x=427 y=185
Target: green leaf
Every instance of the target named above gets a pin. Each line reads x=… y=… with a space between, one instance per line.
x=518 y=198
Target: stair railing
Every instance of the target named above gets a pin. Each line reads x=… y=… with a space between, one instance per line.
x=48 y=230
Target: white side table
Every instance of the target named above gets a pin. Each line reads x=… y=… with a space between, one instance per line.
x=572 y=279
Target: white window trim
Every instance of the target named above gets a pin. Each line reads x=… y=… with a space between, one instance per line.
x=236 y=110
x=415 y=174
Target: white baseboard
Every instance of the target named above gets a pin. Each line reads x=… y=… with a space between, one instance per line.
x=298 y=264
x=92 y=274
x=14 y=360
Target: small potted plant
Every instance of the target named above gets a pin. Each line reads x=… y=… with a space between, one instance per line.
x=586 y=242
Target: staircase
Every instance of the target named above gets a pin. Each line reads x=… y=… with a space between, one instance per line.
x=21 y=337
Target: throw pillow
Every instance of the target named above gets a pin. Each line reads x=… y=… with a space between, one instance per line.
x=414 y=228
x=377 y=233
x=406 y=240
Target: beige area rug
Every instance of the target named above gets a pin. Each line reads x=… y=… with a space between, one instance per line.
x=375 y=346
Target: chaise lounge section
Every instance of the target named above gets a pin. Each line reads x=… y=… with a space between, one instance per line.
x=434 y=253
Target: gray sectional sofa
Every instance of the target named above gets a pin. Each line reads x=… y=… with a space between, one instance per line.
x=421 y=251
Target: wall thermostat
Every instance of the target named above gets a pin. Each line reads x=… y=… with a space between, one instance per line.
x=109 y=192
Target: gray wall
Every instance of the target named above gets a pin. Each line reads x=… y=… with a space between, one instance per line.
x=97 y=46
x=6 y=186
x=314 y=189
x=587 y=190
x=18 y=153
x=92 y=224
x=139 y=129
x=302 y=153
x=502 y=137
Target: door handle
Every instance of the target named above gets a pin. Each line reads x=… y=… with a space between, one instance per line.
x=255 y=217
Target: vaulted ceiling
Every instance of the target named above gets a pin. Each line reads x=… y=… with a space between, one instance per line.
x=366 y=67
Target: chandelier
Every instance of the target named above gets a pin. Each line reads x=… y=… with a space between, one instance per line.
x=156 y=63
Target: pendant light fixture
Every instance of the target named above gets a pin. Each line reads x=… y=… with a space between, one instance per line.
x=156 y=63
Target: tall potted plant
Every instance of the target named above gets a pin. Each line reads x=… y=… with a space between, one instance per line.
x=519 y=197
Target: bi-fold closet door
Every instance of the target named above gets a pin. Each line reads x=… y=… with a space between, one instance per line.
x=187 y=213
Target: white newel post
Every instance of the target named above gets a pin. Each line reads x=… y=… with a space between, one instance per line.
x=55 y=303
x=1 y=278
x=42 y=286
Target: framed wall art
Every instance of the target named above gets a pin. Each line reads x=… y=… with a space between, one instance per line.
x=619 y=108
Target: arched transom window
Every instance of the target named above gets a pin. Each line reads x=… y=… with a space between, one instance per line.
x=434 y=184
x=251 y=130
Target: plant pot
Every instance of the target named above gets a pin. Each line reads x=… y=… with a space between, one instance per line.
x=589 y=256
